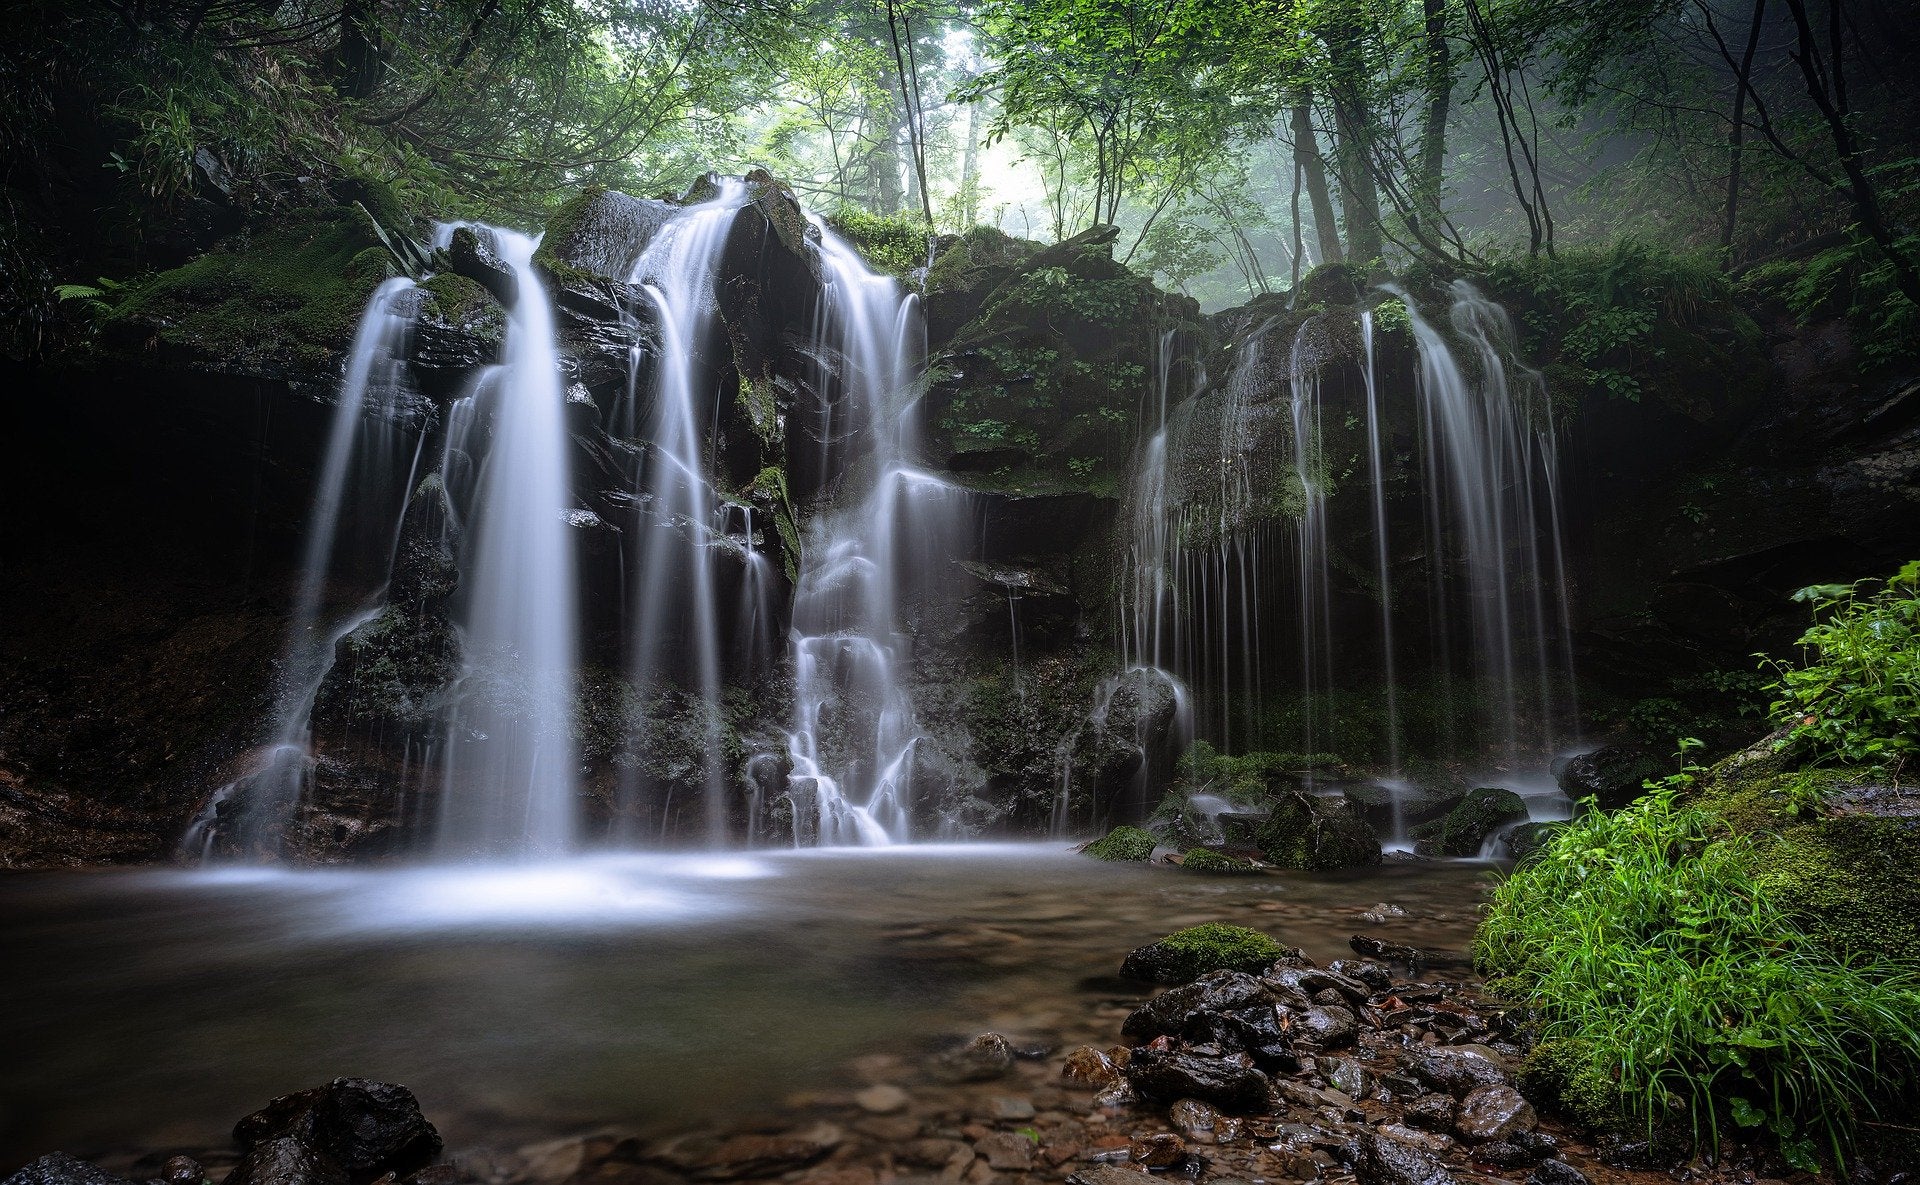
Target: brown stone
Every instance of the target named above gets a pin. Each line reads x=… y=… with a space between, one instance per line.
x=1158 y=1151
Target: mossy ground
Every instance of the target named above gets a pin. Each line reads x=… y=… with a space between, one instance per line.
x=1216 y=863
x=286 y=295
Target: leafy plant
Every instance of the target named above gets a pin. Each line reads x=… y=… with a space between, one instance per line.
x=1855 y=695
x=1648 y=949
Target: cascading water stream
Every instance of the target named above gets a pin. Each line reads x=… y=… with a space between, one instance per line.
x=674 y=601
x=362 y=446
x=854 y=737
x=1310 y=535
x=511 y=768
x=1382 y=552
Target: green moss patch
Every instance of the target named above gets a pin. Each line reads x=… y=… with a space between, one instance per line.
x=1186 y=955
x=1216 y=863
x=1122 y=844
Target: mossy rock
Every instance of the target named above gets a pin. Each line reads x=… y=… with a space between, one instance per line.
x=1464 y=829
x=1528 y=838
x=1316 y=834
x=1186 y=955
x=1564 y=1075
x=1216 y=863
x=1329 y=284
x=282 y=298
x=599 y=233
x=1122 y=844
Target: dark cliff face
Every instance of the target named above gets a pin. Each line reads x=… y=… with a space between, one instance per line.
x=160 y=477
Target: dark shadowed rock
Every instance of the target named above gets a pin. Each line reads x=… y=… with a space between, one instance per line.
x=473 y=256
x=1222 y=1081
x=1611 y=776
x=1373 y=976
x=601 y=232
x=57 y=1168
x=1464 y=829
x=1383 y=1161
x=182 y=1170
x=1168 y=1014
x=1502 y=1155
x=363 y=1127
x=1431 y=1112
x=286 y=1160
x=1455 y=1071
x=1490 y=1113
x=1325 y=1027
x=1557 y=1172
x=1317 y=834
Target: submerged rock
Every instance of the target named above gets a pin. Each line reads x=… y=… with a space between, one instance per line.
x=1186 y=955
x=982 y=1059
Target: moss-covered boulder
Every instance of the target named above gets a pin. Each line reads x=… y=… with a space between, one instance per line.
x=1464 y=830
x=1216 y=863
x=1186 y=955
x=600 y=232
x=281 y=300
x=1122 y=844
x=1612 y=776
x=1329 y=284
x=1528 y=838
x=965 y=272
x=1316 y=834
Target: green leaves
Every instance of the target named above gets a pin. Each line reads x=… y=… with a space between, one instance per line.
x=1855 y=694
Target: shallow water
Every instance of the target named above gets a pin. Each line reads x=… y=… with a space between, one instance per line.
x=145 y=1010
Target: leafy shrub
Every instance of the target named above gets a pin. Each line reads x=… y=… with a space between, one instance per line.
x=1854 y=281
x=1670 y=984
x=1855 y=695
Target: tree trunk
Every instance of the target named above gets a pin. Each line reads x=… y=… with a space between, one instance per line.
x=1313 y=169
x=357 y=57
x=1433 y=130
x=1359 y=199
x=1737 y=135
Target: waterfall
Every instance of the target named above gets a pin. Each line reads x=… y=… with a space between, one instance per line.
x=852 y=747
x=1382 y=551
x=362 y=447
x=1315 y=598
x=511 y=768
x=674 y=600
x=1490 y=449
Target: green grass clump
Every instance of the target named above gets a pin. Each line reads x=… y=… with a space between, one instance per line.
x=1122 y=843
x=1185 y=955
x=1677 y=985
x=1855 y=695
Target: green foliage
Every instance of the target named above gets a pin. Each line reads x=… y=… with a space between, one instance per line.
x=1122 y=844
x=1670 y=983
x=1854 y=281
x=892 y=243
x=1855 y=694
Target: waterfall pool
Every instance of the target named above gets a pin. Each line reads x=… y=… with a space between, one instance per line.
x=149 y=1009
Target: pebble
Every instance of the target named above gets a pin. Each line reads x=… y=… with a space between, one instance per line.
x=1490 y=1113
x=884 y=1099
x=1558 y=1172
x=1158 y=1151
x=1007 y=1109
x=1195 y=1120
x=1006 y=1151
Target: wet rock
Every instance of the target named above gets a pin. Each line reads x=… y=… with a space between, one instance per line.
x=1536 y=1141
x=570 y=1159
x=364 y=1127
x=1423 y=1140
x=1087 y=1066
x=1106 y=1174
x=1308 y=984
x=1168 y=1014
x=1122 y=844
x=1158 y=1151
x=982 y=1059
x=1347 y=1076
x=1493 y=1112
x=1317 y=834
x=1120 y=1094
x=1612 y=776
x=1010 y=1110
x=1501 y=1155
x=1374 y=976
x=1455 y=1071
x=601 y=232
x=1195 y=1120
x=474 y=257
x=1186 y=955
x=1434 y=1112
x=1466 y=827
x=934 y=1153
x=1383 y=1161
x=1381 y=913
x=1528 y=838
x=749 y=1155
x=286 y=1160
x=1006 y=1152
x=1557 y=1172
x=1222 y=1081
x=1256 y=1031
x=881 y=1100
x=182 y=1170
x=57 y=1168
x=1326 y=1027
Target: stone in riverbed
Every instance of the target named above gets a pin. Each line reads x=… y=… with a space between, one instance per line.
x=1502 y=1155
x=182 y=1170
x=1107 y=1174
x=1087 y=1066
x=1185 y=955
x=1347 y=1076
x=286 y=1160
x=1006 y=1152
x=1457 y=1070
x=1373 y=976
x=1224 y=1082
x=1384 y=1161
x=1325 y=1027
x=884 y=1099
x=1158 y=1151
x=1557 y=1172
x=748 y=1155
x=1194 y=1119
x=1494 y=1112
x=366 y=1128
x=1167 y=1014
x=1434 y=1112
x=57 y=1168
x=982 y=1059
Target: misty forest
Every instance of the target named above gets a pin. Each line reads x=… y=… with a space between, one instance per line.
x=959 y=592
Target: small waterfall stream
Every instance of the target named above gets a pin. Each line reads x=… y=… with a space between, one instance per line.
x=510 y=782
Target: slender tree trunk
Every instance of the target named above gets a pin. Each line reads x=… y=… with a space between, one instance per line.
x=1306 y=153
x=1433 y=129
x=1827 y=87
x=1737 y=134
x=908 y=71
x=1297 y=245
x=1359 y=199
x=970 y=171
x=883 y=156
x=357 y=58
